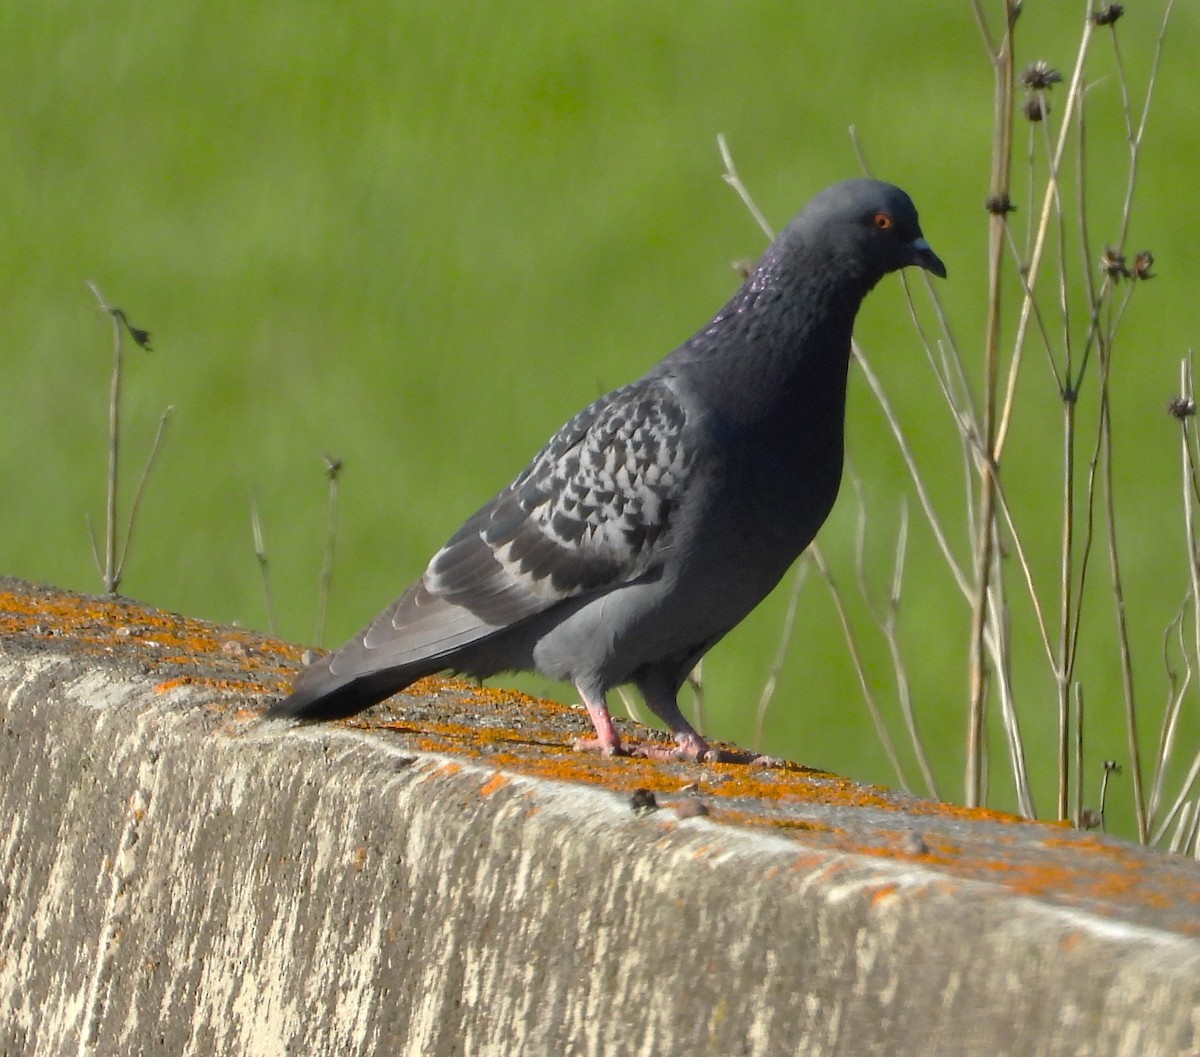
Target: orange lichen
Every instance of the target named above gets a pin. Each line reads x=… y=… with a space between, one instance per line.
x=883 y=894
x=497 y=781
x=512 y=734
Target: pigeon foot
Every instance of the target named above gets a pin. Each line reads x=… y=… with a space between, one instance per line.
x=688 y=746
x=601 y=746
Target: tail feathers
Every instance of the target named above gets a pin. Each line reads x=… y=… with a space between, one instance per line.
x=418 y=635
x=320 y=695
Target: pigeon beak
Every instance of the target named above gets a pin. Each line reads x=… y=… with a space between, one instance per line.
x=924 y=256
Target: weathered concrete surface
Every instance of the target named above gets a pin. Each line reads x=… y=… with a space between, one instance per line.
x=179 y=877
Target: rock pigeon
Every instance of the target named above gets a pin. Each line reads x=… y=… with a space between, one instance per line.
x=661 y=515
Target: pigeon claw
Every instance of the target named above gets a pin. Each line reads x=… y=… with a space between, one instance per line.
x=600 y=746
x=688 y=746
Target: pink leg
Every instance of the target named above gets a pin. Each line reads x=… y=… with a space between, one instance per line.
x=607 y=740
x=689 y=745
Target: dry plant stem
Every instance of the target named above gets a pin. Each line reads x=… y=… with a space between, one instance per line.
x=887 y=622
x=785 y=641
x=881 y=730
x=1002 y=63
x=1178 y=842
x=1076 y=812
x=1110 y=767
x=112 y=579
x=1127 y=686
x=1136 y=135
x=950 y=371
x=1175 y=699
x=136 y=504
x=1178 y=690
x=1074 y=96
x=109 y=571
x=898 y=666
x=631 y=705
x=1065 y=662
x=730 y=176
x=260 y=552
x=333 y=469
x=1135 y=141
x=960 y=578
x=999 y=644
x=1185 y=790
x=1026 y=570
x=1189 y=459
x=695 y=680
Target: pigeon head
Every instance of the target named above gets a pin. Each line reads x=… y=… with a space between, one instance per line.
x=862 y=230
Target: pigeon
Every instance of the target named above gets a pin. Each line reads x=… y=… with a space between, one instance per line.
x=658 y=517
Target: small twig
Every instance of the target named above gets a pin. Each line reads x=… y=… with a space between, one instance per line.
x=1185 y=791
x=1136 y=136
x=999 y=644
x=1182 y=831
x=1064 y=664
x=111 y=579
x=886 y=621
x=695 y=680
x=1175 y=698
x=860 y=670
x=1074 y=94
x=914 y=472
x=260 y=552
x=333 y=470
x=113 y=566
x=91 y=531
x=141 y=487
x=632 y=708
x=1125 y=652
x=903 y=685
x=1076 y=812
x=990 y=440
x=730 y=176
x=1111 y=767
x=1166 y=744
x=781 y=651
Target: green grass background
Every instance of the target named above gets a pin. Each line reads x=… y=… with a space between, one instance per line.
x=419 y=235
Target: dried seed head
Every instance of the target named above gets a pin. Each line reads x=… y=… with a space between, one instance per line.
x=998 y=205
x=1036 y=107
x=1112 y=263
x=1181 y=407
x=1142 y=264
x=1089 y=819
x=1106 y=16
x=1040 y=76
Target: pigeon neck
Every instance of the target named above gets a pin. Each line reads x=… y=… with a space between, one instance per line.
x=775 y=358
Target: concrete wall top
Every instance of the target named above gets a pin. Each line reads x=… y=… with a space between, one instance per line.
x=444 y=875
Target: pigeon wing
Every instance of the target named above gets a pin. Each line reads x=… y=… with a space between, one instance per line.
x=588 y=514
x=591 y=512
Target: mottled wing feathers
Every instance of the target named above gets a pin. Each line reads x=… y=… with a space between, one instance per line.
x=588 y=514
x=592 y=511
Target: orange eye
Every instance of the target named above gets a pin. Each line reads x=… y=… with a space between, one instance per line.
x=882 y=221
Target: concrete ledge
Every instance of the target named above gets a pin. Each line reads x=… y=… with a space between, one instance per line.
x=446 y=877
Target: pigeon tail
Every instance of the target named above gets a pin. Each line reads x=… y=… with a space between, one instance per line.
x=321 y=695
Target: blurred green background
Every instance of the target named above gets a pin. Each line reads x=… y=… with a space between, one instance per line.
x=418 y=236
